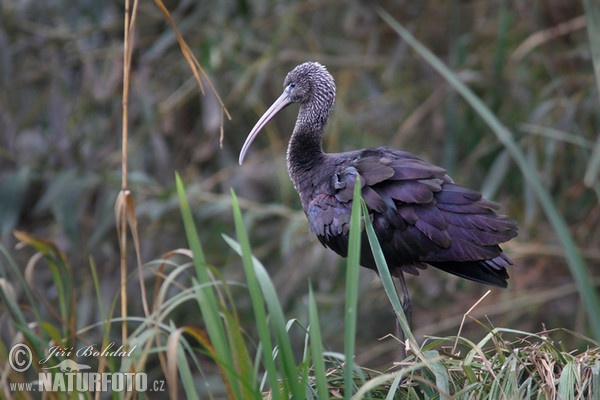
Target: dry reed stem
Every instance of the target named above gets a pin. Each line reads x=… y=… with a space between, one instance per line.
x=465 y=317
x=195 y=66
x=124 y=197
x=546 y=35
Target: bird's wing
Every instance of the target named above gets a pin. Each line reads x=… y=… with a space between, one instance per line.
x=393 y=183
x=418 y=213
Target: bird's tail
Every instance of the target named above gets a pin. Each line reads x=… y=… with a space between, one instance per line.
x=484 y=271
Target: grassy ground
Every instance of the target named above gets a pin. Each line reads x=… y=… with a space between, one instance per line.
x=517 y=116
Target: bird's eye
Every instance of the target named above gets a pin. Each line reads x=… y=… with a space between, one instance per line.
x=289 y=88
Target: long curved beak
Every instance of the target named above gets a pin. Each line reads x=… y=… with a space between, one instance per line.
x=280 y=104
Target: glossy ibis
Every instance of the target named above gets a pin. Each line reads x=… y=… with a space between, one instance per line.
x=421 y=217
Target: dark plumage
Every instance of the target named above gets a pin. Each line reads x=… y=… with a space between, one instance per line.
x=420 y=215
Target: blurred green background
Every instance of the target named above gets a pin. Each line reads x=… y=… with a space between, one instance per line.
x=61 y=68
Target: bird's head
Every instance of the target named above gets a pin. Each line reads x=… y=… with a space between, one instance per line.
x=308 y=84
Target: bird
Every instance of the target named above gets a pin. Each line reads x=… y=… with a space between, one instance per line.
x=421 y=217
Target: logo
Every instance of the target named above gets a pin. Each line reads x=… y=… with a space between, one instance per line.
x=70 y=366
x=19 y=357
x=71 y=376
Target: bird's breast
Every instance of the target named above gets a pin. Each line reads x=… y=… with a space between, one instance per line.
x=327 y=216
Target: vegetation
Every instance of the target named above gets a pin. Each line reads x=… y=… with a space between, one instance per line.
x=238 y=301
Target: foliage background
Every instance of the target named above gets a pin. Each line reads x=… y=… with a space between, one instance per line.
x=60 y=112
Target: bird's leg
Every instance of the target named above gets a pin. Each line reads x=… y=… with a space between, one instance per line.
x=406 y=303
x=407 y=308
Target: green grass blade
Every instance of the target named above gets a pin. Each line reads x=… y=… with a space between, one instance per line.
x=574 y=260
x=352 y=291
x=205 y=294
x=96 y=280
x=385 y=378
x=592 y=13
x=17 y=313
x=439 y=370
x=316 y=347
x=286 y=353
x=61 y=277
x=592 y=16
x=190 y=228
x=187 y=379
x=386 y=278
x=256 y=298
x=567 y=381
x=594 y=391
x=283 y=351
x=12 y=198
x=263 y=292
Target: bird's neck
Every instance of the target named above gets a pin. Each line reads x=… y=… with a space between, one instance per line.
x=305 y=150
